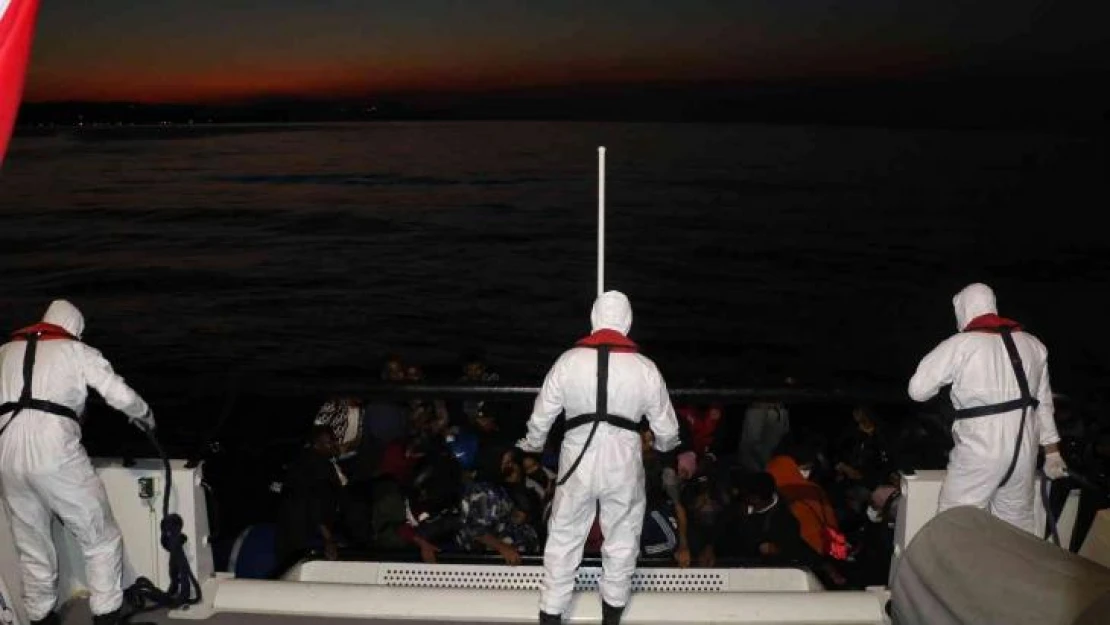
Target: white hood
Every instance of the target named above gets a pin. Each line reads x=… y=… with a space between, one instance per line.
x=973 y=301
x=612 y=311
x=62 y=313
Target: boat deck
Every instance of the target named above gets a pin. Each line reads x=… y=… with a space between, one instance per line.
x=388 y=593
x=78 y=613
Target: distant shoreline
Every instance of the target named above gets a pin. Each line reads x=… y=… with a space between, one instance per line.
x=1064 y=102
x=149 y=130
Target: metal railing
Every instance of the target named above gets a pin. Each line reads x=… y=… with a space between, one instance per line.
x=788 y=394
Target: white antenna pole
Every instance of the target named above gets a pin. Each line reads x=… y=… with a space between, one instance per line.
x=600 y=221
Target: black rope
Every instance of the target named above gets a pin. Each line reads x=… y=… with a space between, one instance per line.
x=601 y=408
x=1049 y=514
x=143 y=596
x=508 y=391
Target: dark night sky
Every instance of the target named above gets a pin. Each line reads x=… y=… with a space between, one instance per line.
x=208 y=50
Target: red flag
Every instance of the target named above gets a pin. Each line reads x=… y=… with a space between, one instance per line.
x=17 y=25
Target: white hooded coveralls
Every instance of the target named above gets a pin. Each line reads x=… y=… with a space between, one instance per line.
x=978 y=367
x=611 y=472
x=44 y=470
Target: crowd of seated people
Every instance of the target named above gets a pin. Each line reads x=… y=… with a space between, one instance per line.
x=437 y=477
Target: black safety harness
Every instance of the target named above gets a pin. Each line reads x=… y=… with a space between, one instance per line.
x=25 y=401
x=1025 y=403
x=601 y=413
x=143 y=596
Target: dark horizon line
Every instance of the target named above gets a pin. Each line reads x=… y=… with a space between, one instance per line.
x=935 y=82
x=1065 y=102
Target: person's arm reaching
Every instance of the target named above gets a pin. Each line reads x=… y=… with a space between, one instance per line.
x=1054 y=466
x=507 y=551
x=682 y=552
x=548 y=407
x=661 y=416
x=935 y=371
x=1046 y=410
x=99 y=375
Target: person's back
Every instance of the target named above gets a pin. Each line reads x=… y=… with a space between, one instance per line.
x=600 y=464
x=34 y=440
x=808 y=501
x=44 y=470
x=310 y=498
x=764 y=426
x=628 y=373
x=981 y=372
x=997 y=429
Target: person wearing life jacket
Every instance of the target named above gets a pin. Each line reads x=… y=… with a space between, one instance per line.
x=700 y=428
x=807 y=500
x=45 y=372
x=758 y=523
x=1003 y=400
x=605 y=386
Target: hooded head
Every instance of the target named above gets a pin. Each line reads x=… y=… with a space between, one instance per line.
x=66 y=316
x=973 y=301
x=612 y=311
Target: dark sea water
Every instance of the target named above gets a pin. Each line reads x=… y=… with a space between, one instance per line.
x=285 y=261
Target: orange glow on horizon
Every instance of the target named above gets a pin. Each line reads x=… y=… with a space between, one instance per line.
x=337 y=82
x=121 y=84
x=212 y=51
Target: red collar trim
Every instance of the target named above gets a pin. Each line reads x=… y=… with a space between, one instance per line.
x=616 y=341
x=992 y=323
x=46 y=332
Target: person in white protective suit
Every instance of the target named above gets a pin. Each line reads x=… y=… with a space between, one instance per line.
x=600 y=465
x=44 y=374
x=1000 y=390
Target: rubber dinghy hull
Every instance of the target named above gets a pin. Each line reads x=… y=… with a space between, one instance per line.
x=966 y=567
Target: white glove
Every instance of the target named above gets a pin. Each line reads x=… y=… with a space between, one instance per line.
x=523 y=445
x=145 y=422
x=1054 y=466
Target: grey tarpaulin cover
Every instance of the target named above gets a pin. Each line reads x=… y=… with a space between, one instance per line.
x=966 y=567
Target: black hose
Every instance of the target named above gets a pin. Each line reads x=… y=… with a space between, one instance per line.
x=143 y=596
x=1049 y=514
